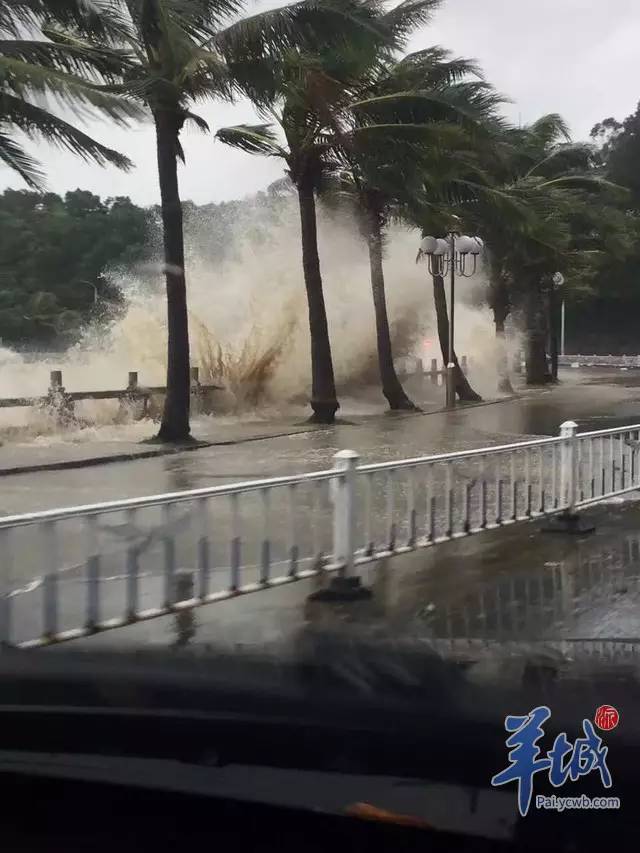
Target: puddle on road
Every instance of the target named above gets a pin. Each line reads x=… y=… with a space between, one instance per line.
x=515 y=585
x=585 y=591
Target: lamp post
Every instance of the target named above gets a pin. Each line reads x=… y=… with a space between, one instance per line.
x=557 y=280
x=457 y=255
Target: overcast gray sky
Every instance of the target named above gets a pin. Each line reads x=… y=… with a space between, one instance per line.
x=575 y=57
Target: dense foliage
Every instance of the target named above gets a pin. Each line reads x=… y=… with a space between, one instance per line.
x=603 y=318
x=59 y=259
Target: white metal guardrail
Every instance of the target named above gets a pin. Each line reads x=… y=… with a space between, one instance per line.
x=70 y=573
x=600 y=360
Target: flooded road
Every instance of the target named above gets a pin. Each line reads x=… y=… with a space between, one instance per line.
x=594 y=399
x=511 y=583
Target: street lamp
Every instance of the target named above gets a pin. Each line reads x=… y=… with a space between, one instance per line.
x=455 y=255
x=558 y=281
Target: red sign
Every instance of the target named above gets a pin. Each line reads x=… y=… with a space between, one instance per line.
x=606 y=718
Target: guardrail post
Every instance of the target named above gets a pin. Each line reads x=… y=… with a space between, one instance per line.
x=433 y=373
x=569 y=465
x=6 y=579
x=346 y=462
x=419 y=367
x=346 y=586
x=130 y=403
x=185 y=622
x=568 y=521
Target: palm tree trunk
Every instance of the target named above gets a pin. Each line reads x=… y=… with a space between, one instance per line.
x=463 y=388
x=537 y=372
x=391 y=386
x=500 y=312
x=324 y=401
x=175 y=416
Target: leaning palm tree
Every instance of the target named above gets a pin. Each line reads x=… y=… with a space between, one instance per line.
x=547 y=181
x=409 y=114
x=306 y=91
x=173 y=54
x=432 y=102
x=35 y=68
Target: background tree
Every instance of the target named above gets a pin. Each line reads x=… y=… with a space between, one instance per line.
x=542 y=182
x=57 y=259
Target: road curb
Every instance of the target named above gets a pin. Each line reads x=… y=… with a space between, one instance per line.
x=92 y=461
x=164 y=450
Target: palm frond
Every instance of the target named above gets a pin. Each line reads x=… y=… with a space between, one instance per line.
x=432 y=67
x=17 y=159
x=66 y=54
x=475 y=102
x=105 y=21
x=254 y=139
x=549 y=129
x=17 y=17
x=438 y=134
x=25 y=79
x=198 y=20
x=312 y=27
x=199 y=122
x=38 y=122
x=563 y=157
x=204 y=75
x=404 y=18
x=586 y=183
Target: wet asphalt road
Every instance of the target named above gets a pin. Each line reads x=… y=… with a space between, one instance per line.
x=594 y=399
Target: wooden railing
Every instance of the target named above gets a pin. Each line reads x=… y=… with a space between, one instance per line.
x=59 y=400
x=415 y=367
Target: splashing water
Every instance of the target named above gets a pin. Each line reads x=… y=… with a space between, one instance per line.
x=249 y=329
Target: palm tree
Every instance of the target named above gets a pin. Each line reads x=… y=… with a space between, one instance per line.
x=437 y=120
x=546 y=181
x=411 y=112
x=35 y=69
x=173 y=53
x=306 y=92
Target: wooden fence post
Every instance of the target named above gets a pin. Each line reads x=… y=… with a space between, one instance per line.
x=197 y=394
x=58 y=400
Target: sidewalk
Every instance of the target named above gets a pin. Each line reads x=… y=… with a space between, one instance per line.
x=585 y=396
x=21 y=459
x=26 y=458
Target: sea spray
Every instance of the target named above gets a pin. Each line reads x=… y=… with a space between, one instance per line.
x=249 y=322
